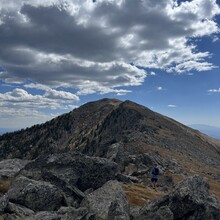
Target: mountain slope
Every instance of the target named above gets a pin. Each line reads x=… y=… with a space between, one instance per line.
x=93 y=127
x=57 y=135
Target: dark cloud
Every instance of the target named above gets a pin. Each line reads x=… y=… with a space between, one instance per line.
x=68 y=43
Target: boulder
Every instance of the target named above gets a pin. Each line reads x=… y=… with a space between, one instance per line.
x=36 y=195
x=190 y=200
x=163 y=213
x=72 y=169
x=11 y=167
x=69 y=213
x=44 y=215
x=189 y=195
x=15 y=211
x=3 y=202
x=108 y=202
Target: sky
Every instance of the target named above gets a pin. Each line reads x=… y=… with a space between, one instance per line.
x=56 y=55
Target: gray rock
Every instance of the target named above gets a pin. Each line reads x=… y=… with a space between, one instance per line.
x=108 y=202
x=73 y=169
x=11 y=167
x=113 y=151
x=116 y=211
x=69 y=213
x=189 y=195
x=163 y=213
x=15 y=211
x=36 y=195
x=190 y=200
x=127 y=179
x=3 y=202
x=44 y=215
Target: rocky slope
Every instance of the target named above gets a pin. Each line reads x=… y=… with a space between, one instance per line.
x=95 y=163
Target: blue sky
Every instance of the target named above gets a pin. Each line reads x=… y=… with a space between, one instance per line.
x=56 y=55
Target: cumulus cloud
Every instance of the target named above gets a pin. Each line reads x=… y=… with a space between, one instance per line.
x=214 y=90
x=103 y=46
x=67 y=42
x=52 y=93
x=19 y=98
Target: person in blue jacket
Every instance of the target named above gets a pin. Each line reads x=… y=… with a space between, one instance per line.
x=154 y=177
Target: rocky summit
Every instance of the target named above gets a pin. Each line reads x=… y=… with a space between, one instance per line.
x=95 y=163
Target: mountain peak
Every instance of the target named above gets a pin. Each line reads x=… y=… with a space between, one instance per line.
x=96 y=125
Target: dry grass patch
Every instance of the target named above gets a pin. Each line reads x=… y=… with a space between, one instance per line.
x=5 y=184
x=214 y=188
x=139 y=195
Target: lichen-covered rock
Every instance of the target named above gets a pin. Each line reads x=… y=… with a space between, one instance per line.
x=108 y=202
x=11 y=167
x=72 y=169
x=15 y=211
x=190 y=200
x=36 y=195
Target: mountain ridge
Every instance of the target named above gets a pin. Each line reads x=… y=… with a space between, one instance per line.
x=96 y=125
x=86 y=159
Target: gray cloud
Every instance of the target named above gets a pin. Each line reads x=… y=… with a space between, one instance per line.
x=68 y=43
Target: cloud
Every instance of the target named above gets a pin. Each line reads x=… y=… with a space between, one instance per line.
x=66 y=42
x=214 y=90
x=89 y=47
x=20 y=98
x=172 y=106
x=153 y=73
x=159 y=88
x=52 y=93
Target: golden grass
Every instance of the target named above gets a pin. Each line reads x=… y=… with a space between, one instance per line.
x=214 y=188
x=5 y=185
x=139 y=195
x=192 y=167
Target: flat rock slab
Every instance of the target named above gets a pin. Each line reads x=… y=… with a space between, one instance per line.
x=11 y=167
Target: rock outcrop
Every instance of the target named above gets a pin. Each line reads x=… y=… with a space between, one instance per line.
x=11 y=167
x=76 y=167
x=108 y=202
x=36 y=195
x=190 y=200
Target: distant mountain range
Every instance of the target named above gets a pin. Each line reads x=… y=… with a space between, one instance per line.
x=212 y=131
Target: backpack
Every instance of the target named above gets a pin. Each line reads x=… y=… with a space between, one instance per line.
x=155 y=171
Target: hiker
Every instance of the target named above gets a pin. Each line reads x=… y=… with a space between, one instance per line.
x=154 y=177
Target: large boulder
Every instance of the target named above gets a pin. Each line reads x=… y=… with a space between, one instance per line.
x=11 y=167
x=15 y=211
x=108 y=202
x=36 y=195
x=188 y=196
x=190 y=200
x=69 y=170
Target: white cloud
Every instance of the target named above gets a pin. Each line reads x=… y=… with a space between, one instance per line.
x=159 y=88
x=153 y=73
x=102 y=47
x=67 y=42
x=214 y=90
x=20 y=98
x=52 y=93
x=172 y=106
